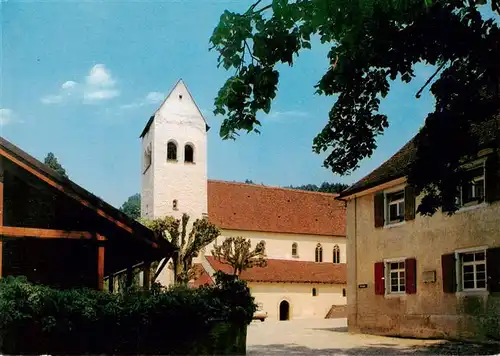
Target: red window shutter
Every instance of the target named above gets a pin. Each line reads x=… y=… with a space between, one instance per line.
x=449 y=274
x=411 y=275
x=379 y=278
x=379 y=201
x=493 y=269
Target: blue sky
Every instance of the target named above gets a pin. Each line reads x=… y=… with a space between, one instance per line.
x=81 y=79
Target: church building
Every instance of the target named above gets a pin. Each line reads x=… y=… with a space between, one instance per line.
x=305 y=232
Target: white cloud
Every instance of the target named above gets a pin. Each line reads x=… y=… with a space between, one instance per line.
x=100 y=76
x=93 y=95
x=97 y=86
x=6 y=116
x=283 y=115
x=69 y=84
x=51 y=99
x=153 y=97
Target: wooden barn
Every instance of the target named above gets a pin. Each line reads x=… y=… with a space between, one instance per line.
x=56 y=233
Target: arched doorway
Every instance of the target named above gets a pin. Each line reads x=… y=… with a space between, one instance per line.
x=284 y=310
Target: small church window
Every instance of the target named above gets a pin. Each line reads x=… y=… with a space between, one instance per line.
x=171 y=151
x=314 y=292
x=174 y=204
x=294 y=250
x=319 y=253
x=188 y=154
x=336 y=254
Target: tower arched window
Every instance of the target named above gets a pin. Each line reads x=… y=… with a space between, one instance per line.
x=294 y=249
x=171 y=151
x=319 y=253
x=336 y=254
x=188 y=153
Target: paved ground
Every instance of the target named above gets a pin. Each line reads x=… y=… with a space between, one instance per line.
x=330 y=337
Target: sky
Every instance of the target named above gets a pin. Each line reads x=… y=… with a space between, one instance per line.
x=81 y=79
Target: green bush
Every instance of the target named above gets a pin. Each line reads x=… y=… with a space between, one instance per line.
x=36 y=319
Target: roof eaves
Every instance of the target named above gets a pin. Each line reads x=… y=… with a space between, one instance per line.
x=71 y=186
x=148 y=125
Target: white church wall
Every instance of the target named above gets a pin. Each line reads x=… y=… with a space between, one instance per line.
x=279 y=245
x=147 y=175
x=302 y=303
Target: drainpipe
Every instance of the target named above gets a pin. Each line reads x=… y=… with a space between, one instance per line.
x=355 y=253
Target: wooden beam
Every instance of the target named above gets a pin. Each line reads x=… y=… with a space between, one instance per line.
x=1 y=256
x=1 y=213
x=1 y=191
x=62 y=189
x=100 y=261
x=10 y=231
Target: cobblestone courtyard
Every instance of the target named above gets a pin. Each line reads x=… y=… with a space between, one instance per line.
x=330 y=337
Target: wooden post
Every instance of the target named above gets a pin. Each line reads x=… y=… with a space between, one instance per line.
x=100 y=261
x=1 y=212
x=129 y=277
x=146 y=275
x=111 y=283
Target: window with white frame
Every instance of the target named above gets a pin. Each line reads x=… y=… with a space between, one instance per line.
x=472 y=191
x=395 y=207
x=472 y=270
x=395 y=278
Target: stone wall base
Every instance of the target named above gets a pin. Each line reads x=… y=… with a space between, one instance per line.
x=418 y=326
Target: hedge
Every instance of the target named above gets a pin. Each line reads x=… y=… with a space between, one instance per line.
x=36 y=319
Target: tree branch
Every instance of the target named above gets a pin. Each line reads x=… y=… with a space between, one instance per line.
x=419 y=93
x=252 y=8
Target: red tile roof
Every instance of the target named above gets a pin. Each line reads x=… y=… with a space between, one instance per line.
x=288 y=271
x=201 y=276
x=251 y=207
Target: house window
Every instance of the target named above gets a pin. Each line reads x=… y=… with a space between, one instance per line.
x=294 y=250
x=174 y=204
x=395 y=207
x=188 y=154
x=472 y=191
x=336 y=254
x=472 y=270
x=319 y=253
x=314 y=292
x=344 y=293
x=171 y=151
x=396 y=277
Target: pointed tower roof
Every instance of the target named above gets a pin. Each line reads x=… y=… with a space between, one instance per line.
x=180 y=83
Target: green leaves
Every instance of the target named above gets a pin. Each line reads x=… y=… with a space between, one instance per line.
x=372 y=41
x=237 y=252
x=36 y=319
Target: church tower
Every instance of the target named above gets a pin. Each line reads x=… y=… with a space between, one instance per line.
x=174 y=159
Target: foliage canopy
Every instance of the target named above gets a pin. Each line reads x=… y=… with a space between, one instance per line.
x=237 y=252
x=187 y=245
x=132 y=207
x=51 y=161
x=372 y=42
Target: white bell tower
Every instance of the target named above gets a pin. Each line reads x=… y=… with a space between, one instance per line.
x=174 y=159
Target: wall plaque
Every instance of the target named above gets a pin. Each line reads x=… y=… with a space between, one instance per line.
x=362 y=285
x=429 y=276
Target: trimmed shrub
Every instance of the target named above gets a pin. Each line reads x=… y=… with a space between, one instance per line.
x=36 y=319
